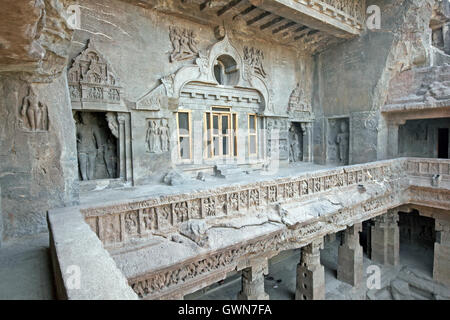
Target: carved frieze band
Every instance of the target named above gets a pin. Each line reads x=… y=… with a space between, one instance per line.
x=118 y=223
x=165 y=214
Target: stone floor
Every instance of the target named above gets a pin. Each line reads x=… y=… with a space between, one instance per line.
x=25 y=269
x=280 y=283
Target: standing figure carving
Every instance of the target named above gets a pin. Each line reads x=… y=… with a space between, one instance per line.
x=295 y=152
x=88 y=143
x=153 y=140
x=342 y=140
x=34 y=112
x=164 y=135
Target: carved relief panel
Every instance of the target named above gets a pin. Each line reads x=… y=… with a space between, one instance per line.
x=184 y=44
x=91 y=80
x=157 y=136
x=33 y=114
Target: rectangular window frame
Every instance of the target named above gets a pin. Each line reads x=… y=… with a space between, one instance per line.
x=253 y=134
x=180 y=135
x=209 y=135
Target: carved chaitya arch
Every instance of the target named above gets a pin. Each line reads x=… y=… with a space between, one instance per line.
x=202 y=72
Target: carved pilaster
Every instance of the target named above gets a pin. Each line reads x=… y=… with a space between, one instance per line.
x=122 y=153
x=307 y=142
x=392 y=141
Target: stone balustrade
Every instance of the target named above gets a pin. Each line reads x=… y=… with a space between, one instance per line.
x=121 y=223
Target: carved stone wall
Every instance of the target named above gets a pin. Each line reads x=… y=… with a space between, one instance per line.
x=37 y=152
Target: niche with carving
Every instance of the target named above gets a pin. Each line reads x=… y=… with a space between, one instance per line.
x=338 y=141
x=295 y=142
x=96 y=145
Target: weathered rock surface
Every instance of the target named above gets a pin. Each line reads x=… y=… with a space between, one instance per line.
x=34 y=37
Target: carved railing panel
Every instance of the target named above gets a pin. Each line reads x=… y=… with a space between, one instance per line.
x=428 y=167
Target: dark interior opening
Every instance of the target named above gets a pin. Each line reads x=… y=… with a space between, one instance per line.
x=443 y=143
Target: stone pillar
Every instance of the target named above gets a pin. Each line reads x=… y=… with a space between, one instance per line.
x=307 y=142
x=253 y=282
x=441 y=265
x=350 y=257
x=385 y=239
x=310 y=273
x=392 y=141
x=121 y=153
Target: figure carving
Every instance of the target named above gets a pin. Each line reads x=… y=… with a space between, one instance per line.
x=342 y=140
x=152 y=139
x=295 y=152
x=184 y=44
x=88 y=141
x=253 y=58
x=34 y=112
x=164 y=135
